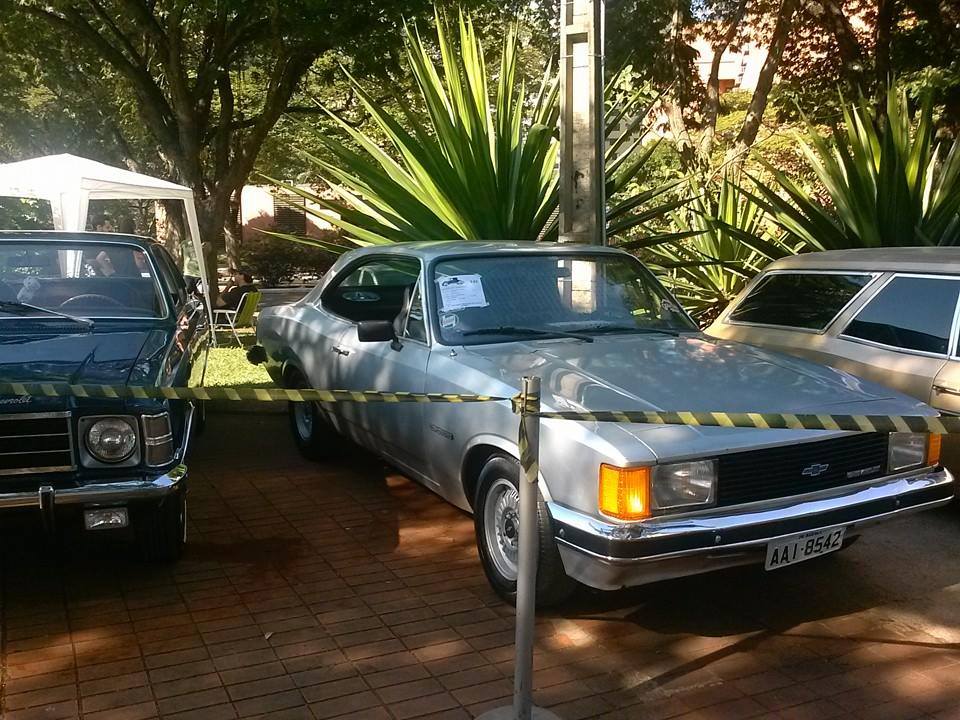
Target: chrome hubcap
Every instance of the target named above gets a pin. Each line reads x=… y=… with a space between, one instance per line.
x=303 y=416
x=501 y=522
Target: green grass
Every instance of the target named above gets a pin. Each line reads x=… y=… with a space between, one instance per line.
x=229 y=367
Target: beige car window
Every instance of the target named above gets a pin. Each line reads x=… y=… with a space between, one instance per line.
x=912 y=313
x=809 y=301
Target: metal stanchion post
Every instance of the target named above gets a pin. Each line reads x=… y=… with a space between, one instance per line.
x=529 y=444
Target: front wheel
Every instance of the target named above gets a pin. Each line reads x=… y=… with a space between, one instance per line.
x=162 y=529
x=496 y=518
x=315 y=439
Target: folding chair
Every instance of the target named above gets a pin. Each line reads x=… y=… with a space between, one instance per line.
x=241 y=317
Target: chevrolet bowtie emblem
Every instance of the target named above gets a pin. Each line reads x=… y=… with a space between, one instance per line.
x=815 y=469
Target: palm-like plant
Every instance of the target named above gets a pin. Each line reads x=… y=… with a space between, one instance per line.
x=890 y=183
x=724 y=231
x=467 y=167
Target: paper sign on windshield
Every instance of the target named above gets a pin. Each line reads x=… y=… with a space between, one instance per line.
x=461 y=291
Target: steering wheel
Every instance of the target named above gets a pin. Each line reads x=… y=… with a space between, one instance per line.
x=7 y=293
x=90 y=300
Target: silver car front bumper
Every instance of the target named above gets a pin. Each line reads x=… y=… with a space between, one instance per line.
x=609 y=556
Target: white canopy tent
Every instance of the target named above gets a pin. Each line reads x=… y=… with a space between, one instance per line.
x=69 y=183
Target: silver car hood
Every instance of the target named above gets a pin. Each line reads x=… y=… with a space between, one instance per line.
x=691 y=372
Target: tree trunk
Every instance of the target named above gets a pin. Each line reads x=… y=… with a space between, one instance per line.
x=886 y=14
x=711 y=108
x=171 y=229
x=829 y=13
x=232 y=235
x=758 y=103
x=673 y=102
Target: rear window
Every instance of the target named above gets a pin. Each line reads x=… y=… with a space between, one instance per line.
x=808 y=301
x=911 y=313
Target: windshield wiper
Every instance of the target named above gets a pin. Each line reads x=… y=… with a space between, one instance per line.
x=514 y=330
x=19 y=307
x=630 y=328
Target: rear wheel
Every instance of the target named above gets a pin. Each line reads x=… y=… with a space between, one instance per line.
x=314 y=437
x=496 y=517
x=162 y=529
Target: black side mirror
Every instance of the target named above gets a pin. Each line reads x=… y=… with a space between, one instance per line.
x=375 y=331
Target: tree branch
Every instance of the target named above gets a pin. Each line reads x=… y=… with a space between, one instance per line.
x=712 y=104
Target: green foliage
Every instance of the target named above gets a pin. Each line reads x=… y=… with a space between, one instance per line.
x=24 y=214
x=275 y=260
x=468 y=167
x=229 y=367
x=726 y=241
x=888 y=180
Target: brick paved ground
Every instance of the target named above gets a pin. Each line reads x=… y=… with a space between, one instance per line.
x=346 y=590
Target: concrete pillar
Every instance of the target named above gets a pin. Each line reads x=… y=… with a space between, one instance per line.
x=582 y=196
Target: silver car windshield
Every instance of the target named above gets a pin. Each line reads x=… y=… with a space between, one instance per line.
x=484 y=299
x=86 y=280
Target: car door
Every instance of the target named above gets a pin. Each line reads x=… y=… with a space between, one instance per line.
x=186 y=360
x=901 y=336
x=384 y=288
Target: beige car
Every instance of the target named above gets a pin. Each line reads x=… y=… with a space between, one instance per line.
x=889 y=315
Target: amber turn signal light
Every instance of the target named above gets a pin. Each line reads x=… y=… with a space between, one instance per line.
x=934 y=441
x=625 y=492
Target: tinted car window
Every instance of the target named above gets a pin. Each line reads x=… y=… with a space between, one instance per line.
x=800 y=300
x=373 y=290
x=910 y=313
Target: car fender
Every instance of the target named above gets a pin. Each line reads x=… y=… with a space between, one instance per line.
x=509 y=447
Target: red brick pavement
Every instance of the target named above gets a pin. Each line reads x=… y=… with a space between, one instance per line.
x=346 y=590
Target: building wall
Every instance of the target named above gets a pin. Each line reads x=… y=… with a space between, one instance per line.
x=739 y=69
x=259 y=204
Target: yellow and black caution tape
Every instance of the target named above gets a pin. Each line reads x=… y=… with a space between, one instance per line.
x=857 y=423
x=943 y=424
x=232 y=394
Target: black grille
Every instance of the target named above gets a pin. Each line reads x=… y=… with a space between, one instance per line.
x=794 y=469
x=35 y=442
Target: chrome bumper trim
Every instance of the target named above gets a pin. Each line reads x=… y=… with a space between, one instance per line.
x=607 y=556
x=99 y=493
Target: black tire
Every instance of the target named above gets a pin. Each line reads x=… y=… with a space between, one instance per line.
x=554 y=586
x=161 y=529
x=314 y=437
x=199 y=417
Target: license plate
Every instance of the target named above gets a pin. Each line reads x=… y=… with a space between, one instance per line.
x=798 y=548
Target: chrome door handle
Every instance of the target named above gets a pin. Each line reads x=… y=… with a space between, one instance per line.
x=946 y=390
x=340 y=351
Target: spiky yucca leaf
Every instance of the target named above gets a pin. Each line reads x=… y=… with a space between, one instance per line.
x=480 y=163
x=717 y=254
x=890 y=183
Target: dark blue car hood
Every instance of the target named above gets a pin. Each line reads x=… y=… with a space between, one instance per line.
x=109 y=356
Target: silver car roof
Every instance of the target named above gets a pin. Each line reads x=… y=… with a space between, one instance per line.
x=894 y=259
x=446 y=248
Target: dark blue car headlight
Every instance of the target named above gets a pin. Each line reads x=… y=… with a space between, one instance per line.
x=110 y=440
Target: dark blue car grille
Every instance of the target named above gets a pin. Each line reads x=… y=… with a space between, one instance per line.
x=801 y=468
x=35 y=443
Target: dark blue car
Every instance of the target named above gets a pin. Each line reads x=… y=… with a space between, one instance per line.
x=94 y=308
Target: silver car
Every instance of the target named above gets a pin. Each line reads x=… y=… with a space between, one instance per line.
x=621 y=504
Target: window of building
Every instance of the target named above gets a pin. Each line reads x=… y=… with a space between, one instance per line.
x=809 y=301
x=911 y=313
x=289 y=213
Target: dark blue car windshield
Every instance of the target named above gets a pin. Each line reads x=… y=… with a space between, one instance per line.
x=91 y=280
x=487 y=299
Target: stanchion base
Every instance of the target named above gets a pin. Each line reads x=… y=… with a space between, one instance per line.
x=506 y=713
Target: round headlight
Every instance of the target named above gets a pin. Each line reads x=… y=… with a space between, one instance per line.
x=111 y=440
